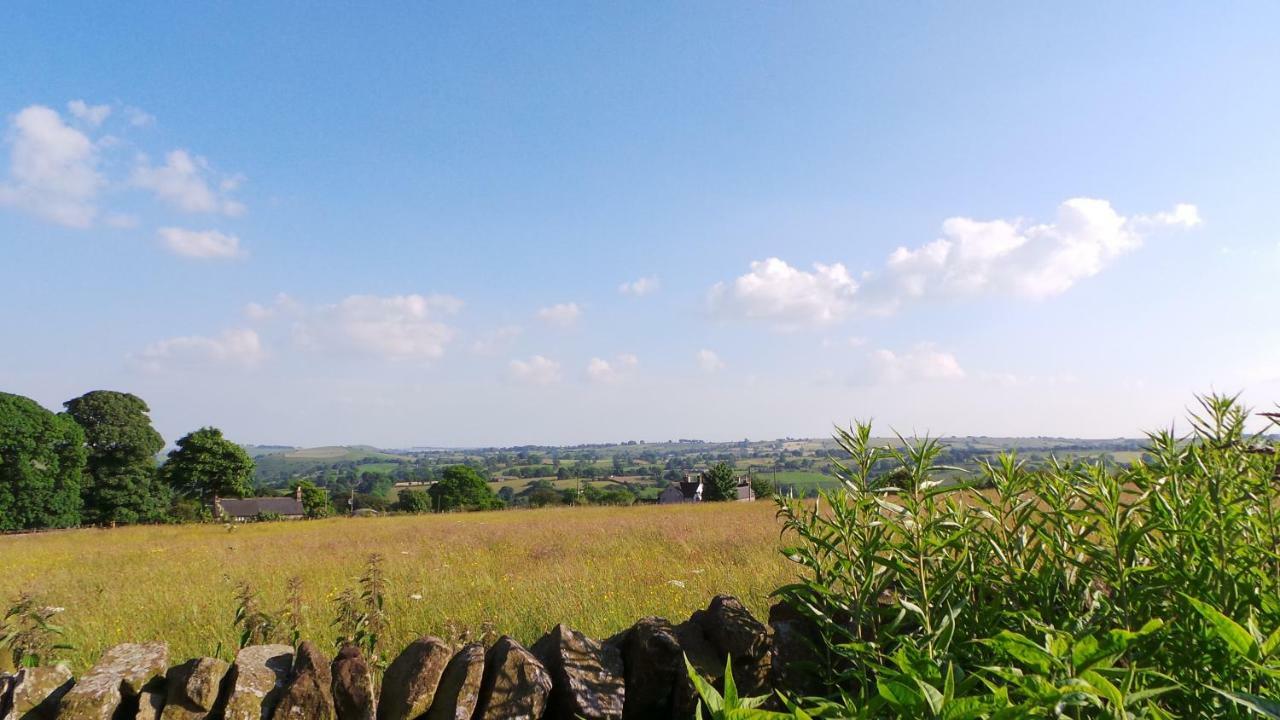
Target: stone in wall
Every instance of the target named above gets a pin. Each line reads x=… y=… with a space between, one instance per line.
x=192 y=688
x=308 y=695
x=258 y=678
x=459 y=688
x=733 y=631
x=117 y=679
x=587 y=677
x=352 y=686
x=151 y=702
x=515 y=684
x=35 y=693
x=794 y=658
x=409 y=685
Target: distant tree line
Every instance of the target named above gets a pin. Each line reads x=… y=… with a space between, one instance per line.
x=96 y=463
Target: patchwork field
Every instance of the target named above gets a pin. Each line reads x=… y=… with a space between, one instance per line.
x=519 y=572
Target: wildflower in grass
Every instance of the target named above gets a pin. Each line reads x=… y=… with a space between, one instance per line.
x=676 y=583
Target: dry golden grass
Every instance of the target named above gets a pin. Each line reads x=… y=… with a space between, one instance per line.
x=596 y=569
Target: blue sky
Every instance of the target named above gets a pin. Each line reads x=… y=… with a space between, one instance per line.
x=423 y=224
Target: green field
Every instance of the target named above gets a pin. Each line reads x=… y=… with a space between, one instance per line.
x=519 y=572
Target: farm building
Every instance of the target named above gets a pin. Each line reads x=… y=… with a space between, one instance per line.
x=690 y=490
x=682 y=492
x=247 y=509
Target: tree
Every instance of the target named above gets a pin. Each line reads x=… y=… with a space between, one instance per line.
x=42 y=460
x=462 y=488
x=205 y=465
x=315 y=501
x=122 y=485
x=720 y=483
x=414 y=501
x=761 y=488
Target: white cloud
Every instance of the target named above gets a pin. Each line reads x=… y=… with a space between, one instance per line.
x=537 y=370
x=496 y=340
x=785 y=297
x=563 y=315
x=1012 y=257
x=970 y=258
x=53 y=169
x=201 y=244
x=641 y=286
x=621 y=367
x=853 y=341
x=708 y=361
x=922 y=362
x=283 y=304
x=139 y=118
x=240 y=347
x=400 y=327
x=92 y=115
x=181 y=181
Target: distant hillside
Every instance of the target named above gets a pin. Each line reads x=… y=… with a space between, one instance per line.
x=276 y=464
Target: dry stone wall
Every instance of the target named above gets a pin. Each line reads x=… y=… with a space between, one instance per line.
x=637 y=674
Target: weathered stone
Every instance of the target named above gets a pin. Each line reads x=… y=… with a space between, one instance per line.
x=657 y=682
x=192 y=688
x=459 y=685
x=6 y=684
x=587 y=678
x=651 y=656
x=117 y=679
x=733 y=631
x=409 y=685
x=515 y=684
x=35 y=693
x=352 y=685
x=151 y=703
x=259 y=677
x=307 y=696
x=793 y=651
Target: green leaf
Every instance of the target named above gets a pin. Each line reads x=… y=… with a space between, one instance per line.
x=730 y=690
x=1262 y=706
x=1236 y=637
x=708 y=694
x=1020 y=648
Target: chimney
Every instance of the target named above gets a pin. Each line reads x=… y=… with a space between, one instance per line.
x=297 y=493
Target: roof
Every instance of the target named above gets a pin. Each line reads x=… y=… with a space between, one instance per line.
x=250 y=507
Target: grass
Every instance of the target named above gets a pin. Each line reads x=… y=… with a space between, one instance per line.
x=520 y=572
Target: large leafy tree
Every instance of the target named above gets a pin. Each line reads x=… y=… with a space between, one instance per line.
x=205 y=464
x=42 y=460
x=315 y=500
x=720 y=483
x=122 y=445
x=462 y=488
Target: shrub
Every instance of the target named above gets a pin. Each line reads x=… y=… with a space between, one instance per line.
x=922 y=589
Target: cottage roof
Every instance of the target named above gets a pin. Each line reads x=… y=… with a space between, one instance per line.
x=250 y=507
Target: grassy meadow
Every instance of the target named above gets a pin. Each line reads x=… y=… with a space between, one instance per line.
x=516 y=572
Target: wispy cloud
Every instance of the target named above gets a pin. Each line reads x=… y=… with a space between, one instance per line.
x=201 y=244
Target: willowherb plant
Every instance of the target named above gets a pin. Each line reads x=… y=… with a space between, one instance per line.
x=361 y=618
x=913 y=577
x=255 y=625
x=29 y=634
x=293 y=610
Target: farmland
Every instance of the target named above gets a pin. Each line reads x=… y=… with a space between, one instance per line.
x=517 y=572
x=797 y=467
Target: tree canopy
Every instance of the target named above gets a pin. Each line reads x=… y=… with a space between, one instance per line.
x=315 y=501
x=720 y=483
x=122 y=447
x=462 y=488
x=205 y=464
x=42 y=460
